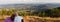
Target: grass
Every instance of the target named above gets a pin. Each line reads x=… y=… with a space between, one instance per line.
x=47 y=19
x=36 y=17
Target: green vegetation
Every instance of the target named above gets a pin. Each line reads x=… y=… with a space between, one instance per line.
x=9 y=12
x=55 y=12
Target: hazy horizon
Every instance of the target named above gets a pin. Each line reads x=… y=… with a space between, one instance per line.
x=27 y=1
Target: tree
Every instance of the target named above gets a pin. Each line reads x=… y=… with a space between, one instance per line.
x=9 y=12
x=3 y=12
x=14 y=10
x=48 y=12
x=41 y=14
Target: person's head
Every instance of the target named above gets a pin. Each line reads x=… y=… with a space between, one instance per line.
x=12 y=17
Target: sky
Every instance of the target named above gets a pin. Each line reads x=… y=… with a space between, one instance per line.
x=27 y=1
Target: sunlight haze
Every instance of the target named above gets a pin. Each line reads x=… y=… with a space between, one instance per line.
x=28 y=1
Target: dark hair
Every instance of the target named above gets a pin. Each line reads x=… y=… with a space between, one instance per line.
x=22 y=20
x=12 y=17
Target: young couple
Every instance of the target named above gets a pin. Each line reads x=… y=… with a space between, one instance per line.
x=14 y=18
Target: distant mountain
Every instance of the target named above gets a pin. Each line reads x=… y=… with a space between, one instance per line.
x=31 y=6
